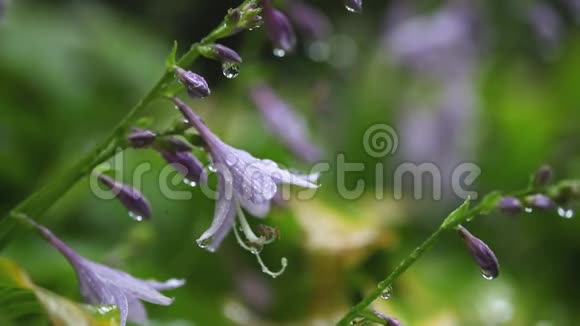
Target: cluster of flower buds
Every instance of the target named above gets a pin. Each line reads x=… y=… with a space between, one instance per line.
x=482 y=254
x=247 y=16
x=542 y=196
x=130 y=197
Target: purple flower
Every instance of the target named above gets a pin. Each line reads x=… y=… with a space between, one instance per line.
x=100 y=284
x=279 y=29
x=390 y=321
x=220 y=52
x=510 y=205
x=285 y=123
x=130 y=197
x=483 y=255
x=353 y=5
x=187 y=164
x=539 y=201
x=139 y=138
x=543 y=176
x=242 y=178
x=311 y=21
x=173 y=144
x=195 y=84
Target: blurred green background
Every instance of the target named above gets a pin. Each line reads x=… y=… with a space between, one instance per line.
x=499 y=86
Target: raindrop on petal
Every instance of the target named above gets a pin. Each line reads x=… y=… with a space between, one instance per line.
x=136 y=216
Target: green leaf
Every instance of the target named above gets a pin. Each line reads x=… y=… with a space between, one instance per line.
x=17 y=292
x=144 y=122
x=170 y=61
x=457 y=216
x=489 y=202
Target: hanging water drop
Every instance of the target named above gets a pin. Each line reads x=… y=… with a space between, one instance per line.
x=212 y=168
x=565 y=212
x=135 y=216
x=190 y=183
x=486 y=275
x=528 y=210
x=230 y=69
x=279 y=52
x=387 y=293
x=203 y=243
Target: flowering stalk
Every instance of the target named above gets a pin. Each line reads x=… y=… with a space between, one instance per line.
x=37 y=203
x=492 y=202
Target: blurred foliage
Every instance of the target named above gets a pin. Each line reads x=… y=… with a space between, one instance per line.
x=70 y=70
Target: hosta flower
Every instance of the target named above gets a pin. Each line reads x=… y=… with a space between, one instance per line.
x=310 y=21
x=243 y=179
x=285 y=123
x=279 y=29
x=130 y=197
x=100 y=284
x=482 y=254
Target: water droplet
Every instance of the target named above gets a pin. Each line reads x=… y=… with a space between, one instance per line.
x=565 y=212
x=189 y=182
x=185 y=121
x=486 y=275
x=203 y=243
x=279 y=52
x=350 y=8
x=212 y=168
x=136 y=216
x=528 y=210
x=387 y=293
x=230 y=69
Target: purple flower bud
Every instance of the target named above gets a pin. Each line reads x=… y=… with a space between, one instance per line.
x=130 y=197
x=539 y=201
x=187 y=164
x=543 y=176
x=100 y=284
x=353 y=5
x=279 y=29
x=139 y=138
x=221 y=53
x=483 y=255
x=311 y=21
x=195 y=84
x=173 y=144
x=390 y=321
x=510 y=205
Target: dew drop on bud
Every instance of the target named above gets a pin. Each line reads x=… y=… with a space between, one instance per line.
x=486 y=275
x=136 y=216
x=190 y=183
x=230 y=69
x=279 y=52
x=387 y=293
x=565 y=212
x=212 y=168
x=528 y=210
x=203 y=243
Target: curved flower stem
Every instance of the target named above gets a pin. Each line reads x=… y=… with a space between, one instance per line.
x=43 y=199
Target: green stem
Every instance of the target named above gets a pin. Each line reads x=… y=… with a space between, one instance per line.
x=43 y=199
x=360 y=308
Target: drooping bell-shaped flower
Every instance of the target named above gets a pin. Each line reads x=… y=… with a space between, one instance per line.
x=285 y=123
x=279 y=29
x=482 y=254
x=195 y=85
x=313 y=23
x=250 y=181
x=100 y=284
x=130 y=197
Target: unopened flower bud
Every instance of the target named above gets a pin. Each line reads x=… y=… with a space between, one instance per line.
x=539 y=201
x=195 y=84
x=173 y=144
x=390 y=321
x=353 y=5
x=139 y=138
x=510 y=205
x=187 y=164
x=220 y=52
x=543 y=176
x=483 y=255
x=279 y=29
x=130 y=197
